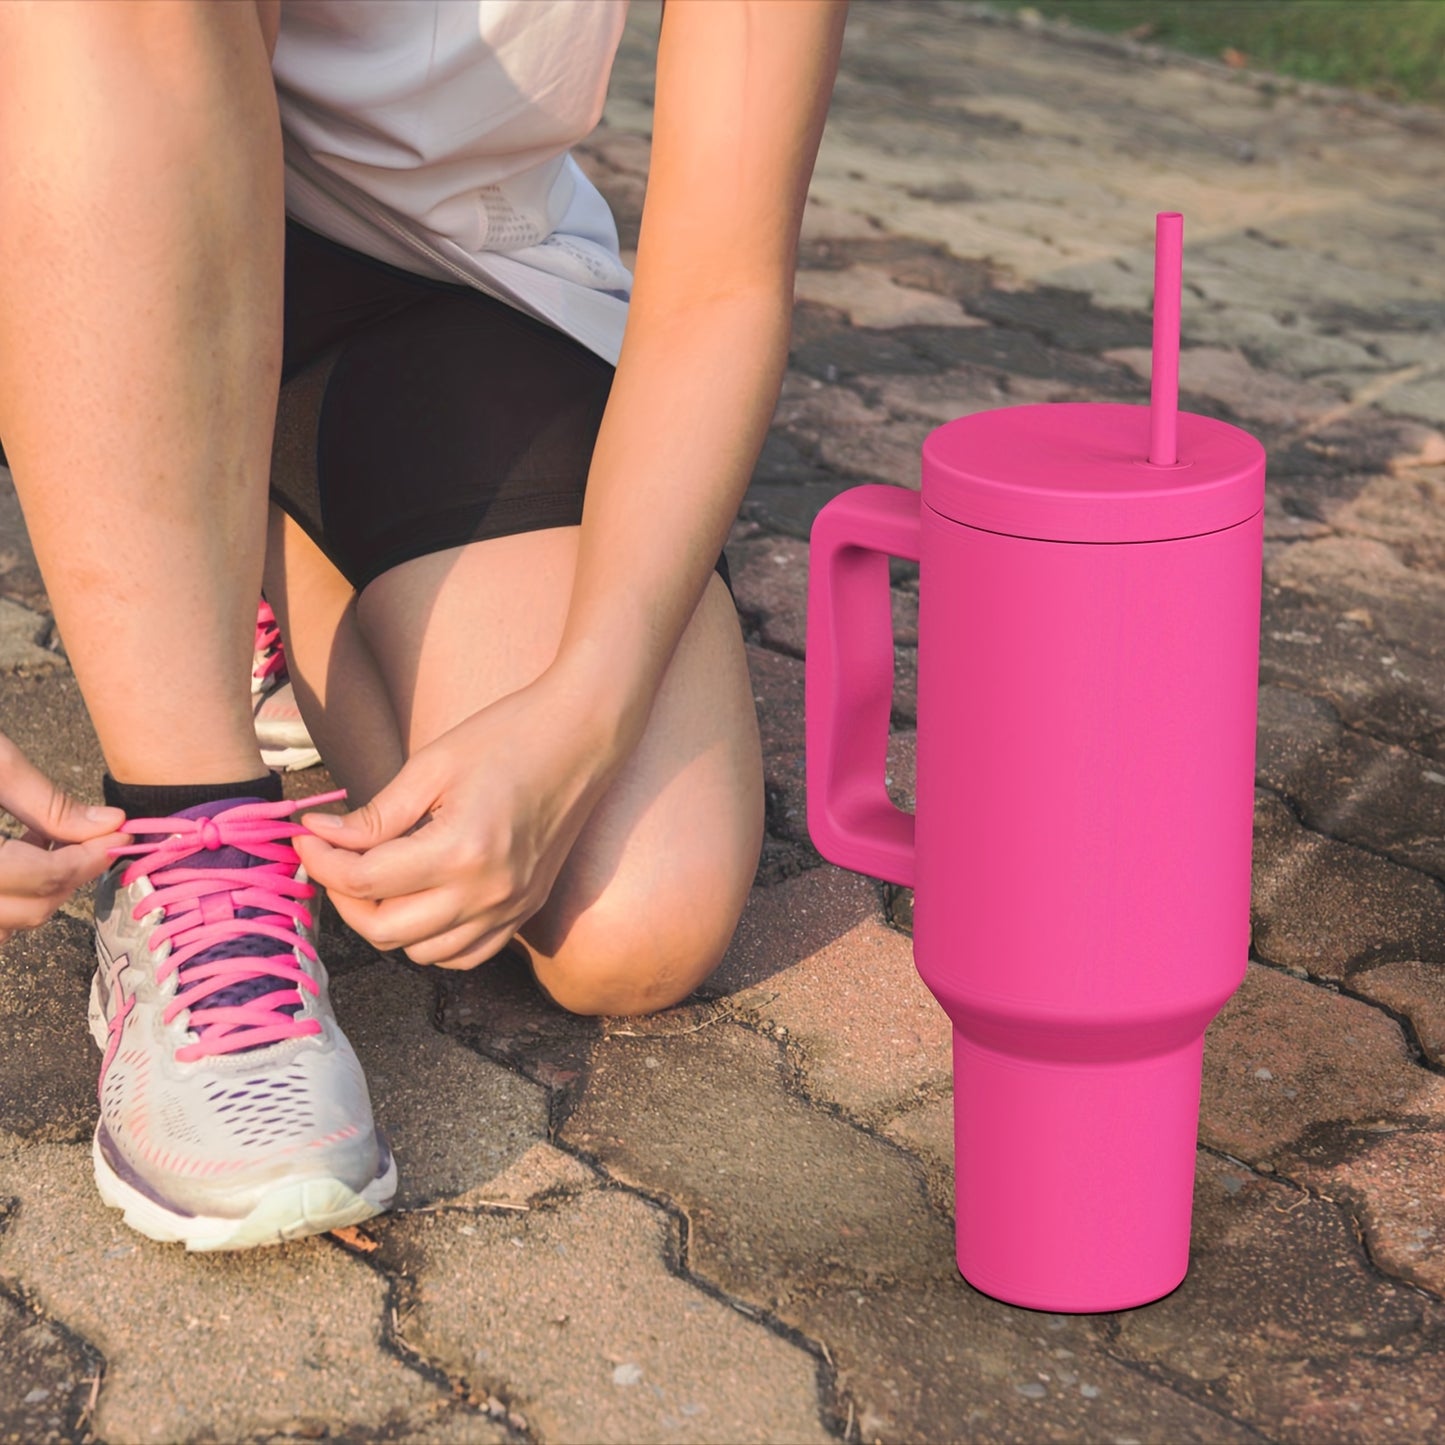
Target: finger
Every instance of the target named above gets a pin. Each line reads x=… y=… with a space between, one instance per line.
x=373 y=922
x=41 y=872
x=402 y=866
x=30 y=871
x=401 y=922
x=18 y=912
x=463 y=947
x=355 y=913
x=27 y=793
x=90 y=859
x=398 y=807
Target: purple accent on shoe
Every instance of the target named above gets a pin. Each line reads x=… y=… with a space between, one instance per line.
x=236 y=994
x=117 y=1162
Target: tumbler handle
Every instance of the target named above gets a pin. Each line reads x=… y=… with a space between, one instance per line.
x=849 y=680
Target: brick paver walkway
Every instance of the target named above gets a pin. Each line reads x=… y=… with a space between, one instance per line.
x=733 y=1221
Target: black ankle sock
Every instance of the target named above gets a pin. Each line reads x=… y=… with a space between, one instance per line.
x=138 y=800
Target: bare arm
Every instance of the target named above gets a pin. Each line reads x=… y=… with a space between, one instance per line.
x=742 y=93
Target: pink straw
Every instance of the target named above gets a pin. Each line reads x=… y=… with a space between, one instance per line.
x=1164 y=391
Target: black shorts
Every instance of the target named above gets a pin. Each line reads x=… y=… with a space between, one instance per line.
x=428 y=415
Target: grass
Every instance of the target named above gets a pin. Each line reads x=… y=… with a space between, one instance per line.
x=1391 y=48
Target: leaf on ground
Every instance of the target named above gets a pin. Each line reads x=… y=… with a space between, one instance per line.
x=353 y=1237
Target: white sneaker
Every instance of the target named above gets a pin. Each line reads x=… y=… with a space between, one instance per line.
x=285 y=743
x=233 y=1111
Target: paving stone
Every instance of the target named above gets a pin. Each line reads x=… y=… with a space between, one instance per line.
x=1394 y=1179
x=784 y=858
x=824 y=223
x=770 y=577
x=781 y=1198
x=1332 y=910
x=46 y=719
x=574 y=1314
x=770 y=580
x=542 y=1172
x=927 y=1133
x=903 y=259
x=944 y=396
x=866 y=1034
x=784 y=462
x=498 y=1011
x=1327 y=461
x=870 y=298
x=1361 y=571
x=1419 y=393
x=778 y=687
x=48 y=1062
x=943 y=1362
x=1296 y=730
x=44 y=1377
x=1415 y=989
x=791 y=922
x=905 y=712
x=1225 y=375
x=1346 y=785
x=1284 y=523
x=209 y=1346
x=1018 y=353
x=1281 y=1323
x=1422 y=448
x=789 y=509
x=1069 y=319
x=455 y=1119
x=1378 y=677
x=826 y=349
x=21 y=632
x=1403 y=509
x=889 y=450
x=1291 y=1069
x=19 y=575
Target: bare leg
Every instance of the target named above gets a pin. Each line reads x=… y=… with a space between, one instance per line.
x=140 y=332
x=646 y=904
x=338 y=687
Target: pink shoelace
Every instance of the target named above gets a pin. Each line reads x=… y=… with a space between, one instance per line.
x=201 y=907
x=268 y=643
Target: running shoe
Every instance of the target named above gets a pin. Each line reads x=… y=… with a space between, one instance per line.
x=233 y=1110
x=285 y=743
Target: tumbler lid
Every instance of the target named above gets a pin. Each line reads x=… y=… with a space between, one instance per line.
x=1079 y=472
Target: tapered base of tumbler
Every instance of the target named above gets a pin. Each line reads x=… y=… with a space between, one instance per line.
x=1075 y=1181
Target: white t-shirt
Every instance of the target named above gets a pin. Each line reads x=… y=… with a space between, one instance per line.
x=436 y=134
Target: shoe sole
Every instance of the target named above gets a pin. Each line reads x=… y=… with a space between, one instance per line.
x=292 y=1209
x=290 y=760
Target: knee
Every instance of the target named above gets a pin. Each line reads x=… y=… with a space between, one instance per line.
x=626 y=957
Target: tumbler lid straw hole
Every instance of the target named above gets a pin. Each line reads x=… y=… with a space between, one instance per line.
x=1164 y=372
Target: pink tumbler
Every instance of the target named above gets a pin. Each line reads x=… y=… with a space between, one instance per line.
x=1088 y=655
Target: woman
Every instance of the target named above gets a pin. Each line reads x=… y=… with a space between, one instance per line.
x=541 y=704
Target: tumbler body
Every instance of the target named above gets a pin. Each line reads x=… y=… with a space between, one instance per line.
x=1088 y=652
x=1085 y=772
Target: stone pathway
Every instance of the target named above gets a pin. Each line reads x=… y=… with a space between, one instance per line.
x=732 y=1222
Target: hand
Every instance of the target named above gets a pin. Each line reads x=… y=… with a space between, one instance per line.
x=39 y=871
x=464 y=845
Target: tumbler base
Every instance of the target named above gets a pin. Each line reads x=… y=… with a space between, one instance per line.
x=1075 y=1181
